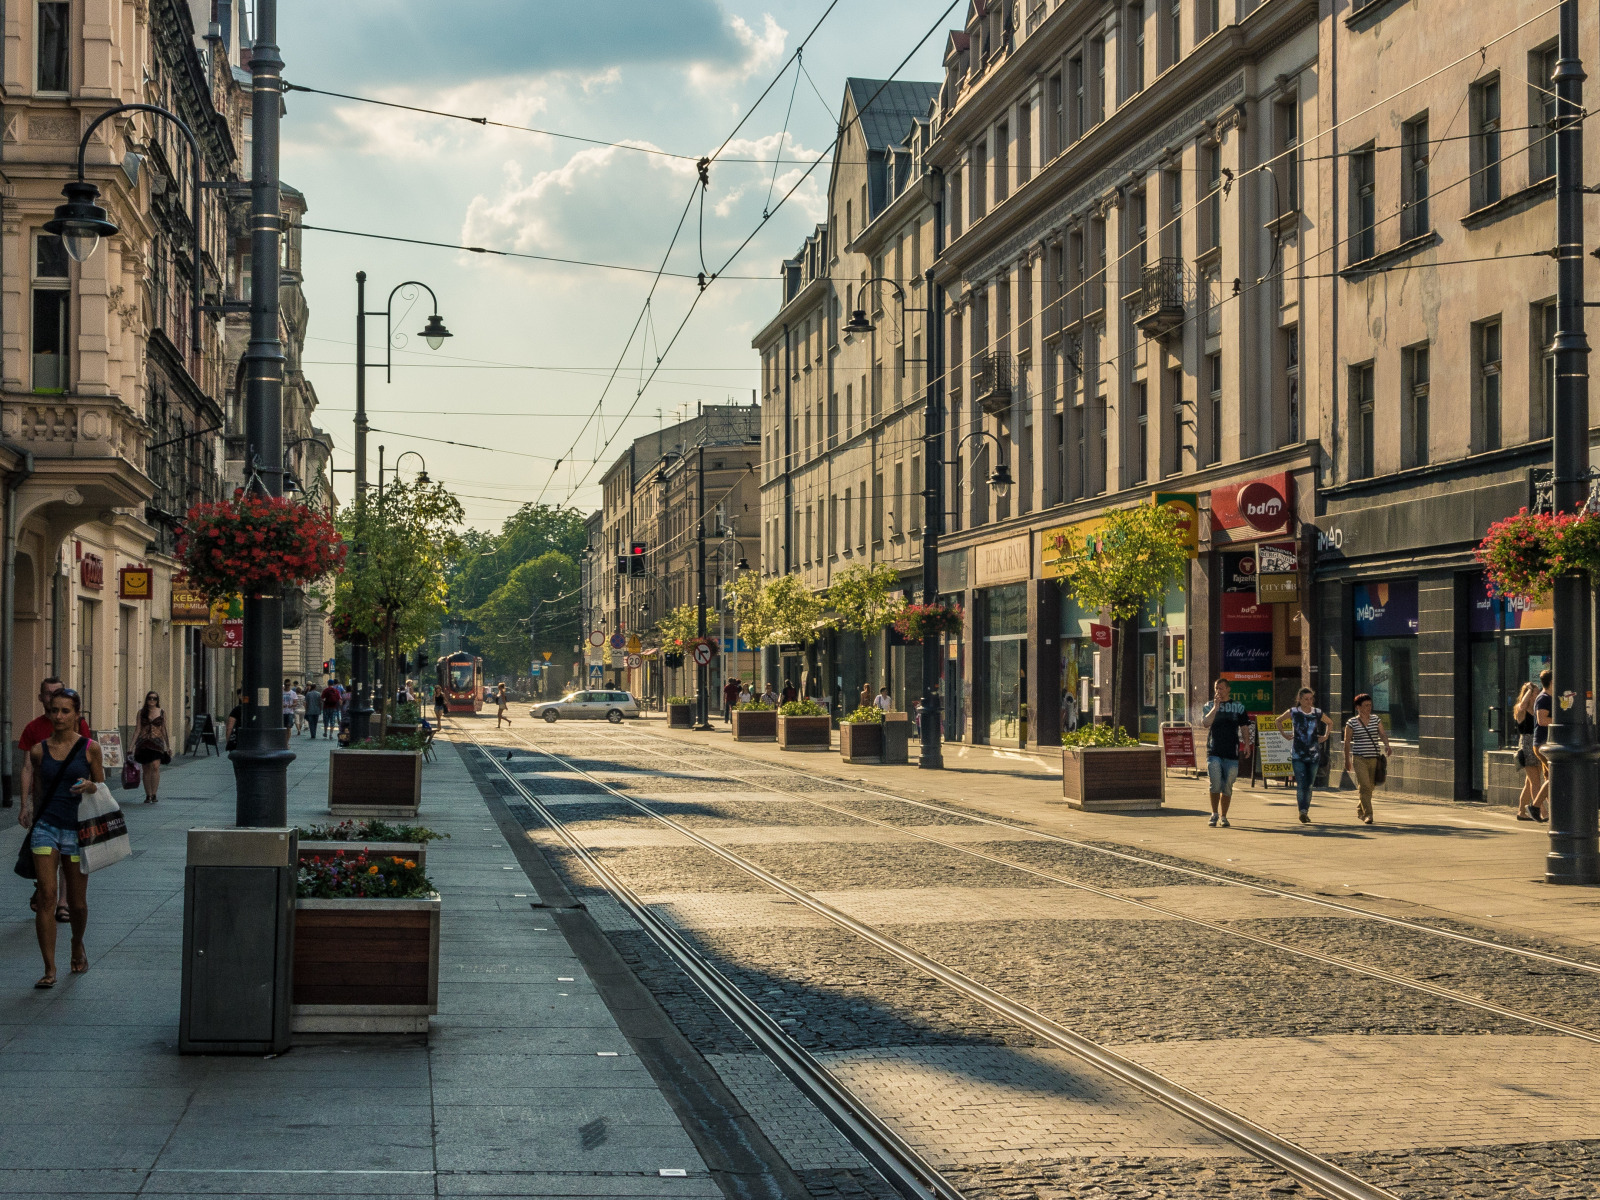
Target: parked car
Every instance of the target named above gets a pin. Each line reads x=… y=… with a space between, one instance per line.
x=593 y=706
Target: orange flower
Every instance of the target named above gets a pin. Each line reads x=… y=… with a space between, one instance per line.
x=410 y=863
x=372 y=870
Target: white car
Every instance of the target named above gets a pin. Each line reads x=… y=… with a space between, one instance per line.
x=592 y=706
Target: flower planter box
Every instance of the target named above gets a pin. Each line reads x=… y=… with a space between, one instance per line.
x=760 y=725
x=896 y=738
x=805 y=733
x=365 y=966
x=374 y=783
x=861 y=742
x=413 y=850
x=1113 y=779
x=680 y=716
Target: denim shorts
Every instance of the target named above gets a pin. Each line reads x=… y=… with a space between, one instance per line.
x=1223 y=771
x=46 y=838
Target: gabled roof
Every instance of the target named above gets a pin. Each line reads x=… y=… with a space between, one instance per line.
x=884 y=119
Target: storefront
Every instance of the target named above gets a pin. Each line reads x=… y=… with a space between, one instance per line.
x=1000 y=674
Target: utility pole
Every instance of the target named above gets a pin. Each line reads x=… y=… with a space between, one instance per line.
x=360 y=662
x=1574 y=856
x=931 y=750
x=261 y=763
x=700 y=671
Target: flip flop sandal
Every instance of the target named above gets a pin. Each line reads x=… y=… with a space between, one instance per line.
x=63 y=915
x=45 y=981
x=80 y=966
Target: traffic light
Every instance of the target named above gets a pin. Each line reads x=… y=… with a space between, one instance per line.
x=327 y=666
x=636 y=558
x=622 y=564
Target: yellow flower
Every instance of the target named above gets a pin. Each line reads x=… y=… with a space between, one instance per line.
x=410 y=863
x=372 y=870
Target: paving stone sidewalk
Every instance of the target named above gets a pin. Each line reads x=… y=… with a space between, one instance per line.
x=526 y=1087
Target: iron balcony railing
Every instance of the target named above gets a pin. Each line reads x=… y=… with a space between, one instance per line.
x=991 y=380
x=1160 y=303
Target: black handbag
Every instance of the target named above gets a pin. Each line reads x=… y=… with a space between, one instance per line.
x=24 y=865
x=1380 y=773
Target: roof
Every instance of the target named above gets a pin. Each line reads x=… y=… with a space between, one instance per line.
x=891 y=111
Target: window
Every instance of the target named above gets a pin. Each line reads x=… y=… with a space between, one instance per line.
x=1363 y=422
x=980 y=176
x=1363 y=205
x=1142 y=440
x=849 y=219
x=1542 y=114
x=1544 y=326
x=1024 y=142
x=1386 y=653
x=1055 y=133
x=903 y=503
x=1287 y=168
x=1486 y=346
x=1417 y=371
x=1135 y=48
x=1414 y=155
x=1174 y=230
x=1002 y=161
x=1212 y=10
x=1212 y=211
x=1293 y=433
x=1141 y=228
x=849 y=409
x=1175 y=412
x=916 y=502
x=1080 y=111
x=916 y=247
x=1213 y=378
x=847 y=525
x=1486 y=142
x=1174 y=31
x=54 y=45
x=1097 y=67
x=52 y=298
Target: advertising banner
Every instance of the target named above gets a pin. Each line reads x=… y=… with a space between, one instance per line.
x=1253 y=689
x=1249 y=652
x=1177 y=745
x=1276 y=748
x=1241 y=613
x=1239 y=571
x=1386 y=609
x=189 y=607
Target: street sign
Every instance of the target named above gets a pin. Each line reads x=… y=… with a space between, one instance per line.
x=597 y=638
x=535 y=668
x=1100 y=634
x=618 y=641
x=702 y=653
x=594 y=673
x=634 y=645
x=547 y=654
x=1177 y=744
x=634 y=662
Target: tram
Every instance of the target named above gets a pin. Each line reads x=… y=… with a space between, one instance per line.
x=461 y=681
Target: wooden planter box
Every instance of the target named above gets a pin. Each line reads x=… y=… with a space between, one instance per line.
x=365 y=966
x=758 y=725
x=680 y=716
x=1107 y=779
x=805 y=733
x=896 y=738
x=374 y=783
x=412 y=850
x=861 y=742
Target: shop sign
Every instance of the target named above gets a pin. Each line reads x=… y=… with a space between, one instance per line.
x=1242 y=613
x=1065 y=542
x=1490 y=613
x=1247 y=651
x=1277 y=747
x=233 y=635
x=1006 y=561
x=1239 y=571
x=92 y=571
x=1277 y=572
x=110 y=748
x=135 y=583
x=1260 y=505
x=1253 y=689
x=1187 y=506
x=1100 y=634
x=1177 y=746
x=189 y=607
x=953 y=571
x=1386 y=609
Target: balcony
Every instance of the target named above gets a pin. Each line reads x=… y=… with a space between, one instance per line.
x=991 y=381
x=1159 y=307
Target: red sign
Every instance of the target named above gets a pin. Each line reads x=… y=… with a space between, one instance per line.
x=1100 y=634
x=233 y=635
x=1263 y=505
x=1241 y=613
x=92 y=571
x=1177 y=745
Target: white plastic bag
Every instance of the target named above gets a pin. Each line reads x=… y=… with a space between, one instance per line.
x=102 y=831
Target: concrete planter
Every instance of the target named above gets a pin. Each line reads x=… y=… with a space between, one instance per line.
x=861 y=742
x=680 y=716
x=1113 y=779
x=756 y=725
x=365 y=966
x=374 y=783
x=412 y=850
x=896 y=738
x=805 y=733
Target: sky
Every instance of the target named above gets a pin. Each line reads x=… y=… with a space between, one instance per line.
x=534 y=342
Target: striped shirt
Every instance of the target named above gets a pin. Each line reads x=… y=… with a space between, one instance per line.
x=1364 y=737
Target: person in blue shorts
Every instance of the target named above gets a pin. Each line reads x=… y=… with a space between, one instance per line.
x=1221 y=718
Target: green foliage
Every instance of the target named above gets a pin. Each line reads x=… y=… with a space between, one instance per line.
x=754 y=706
x=407 y=712
x=392 y=741
x=782 y=612
x=801 y=708
x=865 y=715
x=545 y=588
x=487 y=560
x=678 y=700
x=1140 y=554
x=679 y=627
x=1098 y=735
x=340 y=876
x=860 y=597
x=373 y=830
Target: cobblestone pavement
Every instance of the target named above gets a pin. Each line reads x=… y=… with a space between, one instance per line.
x=1429 y=1097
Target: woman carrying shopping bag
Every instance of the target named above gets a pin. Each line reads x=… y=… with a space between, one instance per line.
x=151 y=749
x=65 y=767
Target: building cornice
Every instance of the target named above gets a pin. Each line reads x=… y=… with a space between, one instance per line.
x=813 y=293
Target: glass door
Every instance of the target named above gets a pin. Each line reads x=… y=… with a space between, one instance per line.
x=1005 y=694
x=1485 y=702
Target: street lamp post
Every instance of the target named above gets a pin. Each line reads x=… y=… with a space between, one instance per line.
x=701 y=673
x=434 y=334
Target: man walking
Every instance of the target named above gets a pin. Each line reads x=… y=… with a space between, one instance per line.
x=313 y=709
x=730 y=697
x=332 y=708
x=1222 y=717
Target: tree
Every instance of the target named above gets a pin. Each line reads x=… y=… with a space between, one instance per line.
x=860 y=596
x=394 y=587
x=1137 y=554
x=679 y=627
x=782 y=612
x=535 y=609
x=486 y=560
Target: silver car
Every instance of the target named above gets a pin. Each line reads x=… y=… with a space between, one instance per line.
x=595 y=706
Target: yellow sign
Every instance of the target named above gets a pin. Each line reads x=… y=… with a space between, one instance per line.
x=1187 y=506
x=547 y=654
x=134 y=583
x=634 y=645
x=229 y=608
x=189 y=607
x=1060 y=545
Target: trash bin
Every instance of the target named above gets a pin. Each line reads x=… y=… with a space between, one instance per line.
x=896 y=737
x=238 y=941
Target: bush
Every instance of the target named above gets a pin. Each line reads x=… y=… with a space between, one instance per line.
x=678 y=700
x=393 y=741
x=802 y=708
x=865 y=715
x=340 y=876
x=754 y=706
x=1098 y=735
x=368 y=831
x=406 y=712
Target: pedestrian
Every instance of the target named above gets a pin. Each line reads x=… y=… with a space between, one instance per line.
x=866 y=695
x=1543 y=713
x=1362 y=758
x=770 y=696
x=789 y=691
x=34 y=732
x=332 y=705
x=744 y=693
x=883 y=702
x=730 y=697
x=288 y=699
x=65 y=766
x=1527 y=757
x=1311 y=729
x=1222 y=717
x=438 y=704
x=230 y=739
x=299 y=708
x=1069 y=710
x=313 y=699
x=152 y=749
x=500 y=705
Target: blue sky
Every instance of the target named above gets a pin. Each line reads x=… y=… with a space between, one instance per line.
x=674 y=75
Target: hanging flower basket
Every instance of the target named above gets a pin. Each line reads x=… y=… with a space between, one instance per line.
x=257 y=545
x=924 y=622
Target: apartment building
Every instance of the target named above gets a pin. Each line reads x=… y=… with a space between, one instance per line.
x=842 y=414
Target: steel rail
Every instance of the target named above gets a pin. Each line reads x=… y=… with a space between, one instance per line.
x=894 y=1158
x=1334 y=1181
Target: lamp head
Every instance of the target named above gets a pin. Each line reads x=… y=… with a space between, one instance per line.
x=422 y=477
x=1001 y=480
x=858 y=322
x=434 y=333
x=80 y=222
x=742 y=565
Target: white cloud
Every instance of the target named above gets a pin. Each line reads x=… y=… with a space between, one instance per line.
x=758 y=52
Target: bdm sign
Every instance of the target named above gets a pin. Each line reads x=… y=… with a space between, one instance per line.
x=1261 y=506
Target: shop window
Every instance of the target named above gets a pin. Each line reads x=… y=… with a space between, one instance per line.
x=1386 y=653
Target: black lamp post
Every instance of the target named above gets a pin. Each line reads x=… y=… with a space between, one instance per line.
x=434 y=334
x=1000 y=478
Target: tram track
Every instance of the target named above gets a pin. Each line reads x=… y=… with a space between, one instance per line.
x=847 y=1112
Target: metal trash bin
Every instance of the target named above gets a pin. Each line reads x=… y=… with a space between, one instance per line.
x=896 y=738
x=238 y=941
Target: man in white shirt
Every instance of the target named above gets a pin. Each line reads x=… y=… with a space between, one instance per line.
x=289 y=697
x=883 y=702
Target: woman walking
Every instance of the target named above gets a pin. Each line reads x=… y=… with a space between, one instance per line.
x=299 y=708
x=1362 y=733
x=1311 y=730
x=500 y=706
x=151 y=748
x=64 y=768
x=1525 y=723
x=1543 y=714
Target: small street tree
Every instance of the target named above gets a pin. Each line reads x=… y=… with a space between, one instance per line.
x=861 y=597
x=1137 y=555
